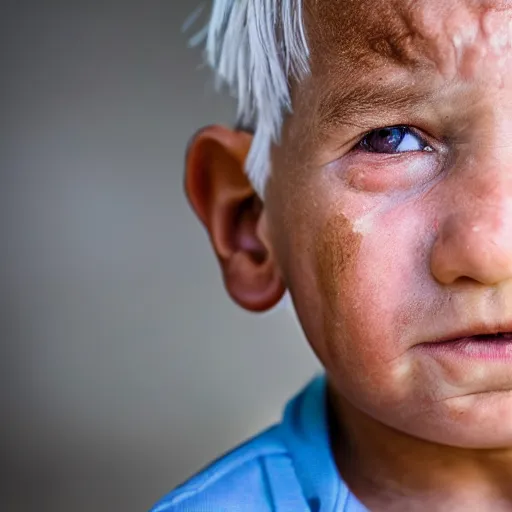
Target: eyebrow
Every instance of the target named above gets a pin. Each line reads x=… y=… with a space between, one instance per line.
x=363 y=102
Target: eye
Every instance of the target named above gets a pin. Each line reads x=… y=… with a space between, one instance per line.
x=394 y=139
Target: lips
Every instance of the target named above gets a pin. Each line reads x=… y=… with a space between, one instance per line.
x=497 y=339
x=473 y=336
x=491 y=346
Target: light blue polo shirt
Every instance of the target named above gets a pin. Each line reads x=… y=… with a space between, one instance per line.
x=287 y=468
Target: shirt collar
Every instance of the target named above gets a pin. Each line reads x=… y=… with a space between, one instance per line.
x=305 y=429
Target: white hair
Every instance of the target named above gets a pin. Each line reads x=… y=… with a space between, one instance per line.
x=256 y=47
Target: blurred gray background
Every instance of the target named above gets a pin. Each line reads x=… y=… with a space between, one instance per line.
x=124 y=366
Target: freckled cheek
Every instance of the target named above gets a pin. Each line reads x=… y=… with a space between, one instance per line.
x=368 y=283
x=379 y=290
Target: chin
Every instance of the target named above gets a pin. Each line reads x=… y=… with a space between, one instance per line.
x=478 y=421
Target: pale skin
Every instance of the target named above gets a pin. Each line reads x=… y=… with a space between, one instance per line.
x=384 y=253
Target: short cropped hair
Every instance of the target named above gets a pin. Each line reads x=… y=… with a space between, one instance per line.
x=256 y=48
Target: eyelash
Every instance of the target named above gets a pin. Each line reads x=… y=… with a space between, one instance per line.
x=399 y=130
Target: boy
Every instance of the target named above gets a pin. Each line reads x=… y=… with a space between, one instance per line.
x=376 y=136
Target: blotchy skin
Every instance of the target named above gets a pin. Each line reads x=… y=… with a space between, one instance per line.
x=382 y=253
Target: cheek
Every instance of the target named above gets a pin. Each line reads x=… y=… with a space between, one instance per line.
x=394 y=267
x=368 y=284
x=337 y=251
x=356 y=270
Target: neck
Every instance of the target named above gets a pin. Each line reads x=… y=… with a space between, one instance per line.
x=391 y=470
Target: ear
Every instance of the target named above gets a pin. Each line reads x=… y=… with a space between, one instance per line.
x=225 y=202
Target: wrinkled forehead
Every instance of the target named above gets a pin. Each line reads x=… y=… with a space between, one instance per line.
x=452 y=36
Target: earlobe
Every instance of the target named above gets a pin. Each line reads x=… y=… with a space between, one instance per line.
x=225 y=202
x=255 y=289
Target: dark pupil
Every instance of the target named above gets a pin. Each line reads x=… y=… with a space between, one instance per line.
x=385 y=140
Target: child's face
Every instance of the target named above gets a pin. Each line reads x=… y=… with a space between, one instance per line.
x=384 y=252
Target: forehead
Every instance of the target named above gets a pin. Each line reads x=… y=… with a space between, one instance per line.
x=451 y=36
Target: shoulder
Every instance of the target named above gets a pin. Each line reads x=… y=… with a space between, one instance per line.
x=239 y=480
x=287 y=467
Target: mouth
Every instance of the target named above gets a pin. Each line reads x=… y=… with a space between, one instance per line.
x=477 y=338
x=495 y=346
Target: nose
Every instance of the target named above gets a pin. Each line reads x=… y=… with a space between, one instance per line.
x=474 y=241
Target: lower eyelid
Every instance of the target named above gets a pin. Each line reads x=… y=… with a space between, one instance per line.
x=384 y=173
